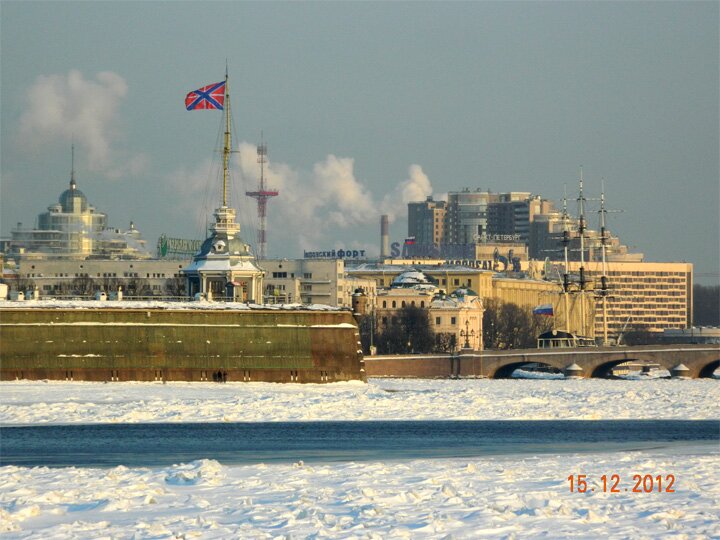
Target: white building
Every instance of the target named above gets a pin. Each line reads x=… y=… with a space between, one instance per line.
x=312 y=281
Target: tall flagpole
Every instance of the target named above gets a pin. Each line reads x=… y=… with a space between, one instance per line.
x=226 y=148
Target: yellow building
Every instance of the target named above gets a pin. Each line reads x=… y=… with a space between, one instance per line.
x=648 y=295
x=523 y=291
x=458 y=314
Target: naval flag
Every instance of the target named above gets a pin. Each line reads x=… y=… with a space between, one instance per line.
x=211 y=96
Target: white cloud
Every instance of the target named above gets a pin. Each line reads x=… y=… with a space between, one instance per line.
x=72 y=107
x=416 y=187
x=314 y=207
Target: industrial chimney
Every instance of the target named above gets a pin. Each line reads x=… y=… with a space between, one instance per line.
x=384 y=236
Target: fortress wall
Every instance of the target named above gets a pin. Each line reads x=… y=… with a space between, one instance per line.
x=157 y=344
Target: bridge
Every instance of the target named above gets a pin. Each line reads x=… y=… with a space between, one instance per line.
x=691 y=361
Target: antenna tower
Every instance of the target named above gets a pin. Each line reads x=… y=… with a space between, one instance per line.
x=262 y=195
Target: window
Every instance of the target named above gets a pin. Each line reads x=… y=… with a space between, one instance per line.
x=279 y=275
x=394 y=304
x=437 y=320
x=384 y=303
x=452 y=320
x=403 y=303
x=307 y=275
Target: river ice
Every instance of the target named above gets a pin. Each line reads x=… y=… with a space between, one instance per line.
x=508 y=497
x=28 y=402
x=448 y=498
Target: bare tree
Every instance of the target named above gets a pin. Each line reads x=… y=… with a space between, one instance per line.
x=82 y=285
x=176 y=286
x=409 y=331
x=509 y=326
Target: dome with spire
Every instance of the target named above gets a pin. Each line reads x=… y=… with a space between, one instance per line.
x=73 y=200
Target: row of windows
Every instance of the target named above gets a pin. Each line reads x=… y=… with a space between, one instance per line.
x=156 y=275
x=402 y=304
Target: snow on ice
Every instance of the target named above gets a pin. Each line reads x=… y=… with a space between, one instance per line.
x=59 y=402
x=447 y=498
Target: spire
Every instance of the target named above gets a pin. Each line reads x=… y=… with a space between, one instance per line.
x=73 y=185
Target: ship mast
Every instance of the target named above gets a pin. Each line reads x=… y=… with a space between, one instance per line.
x=566 y=276
x=581 y=230
x=603 y=278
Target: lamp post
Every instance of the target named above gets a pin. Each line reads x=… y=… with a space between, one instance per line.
x=467 y=334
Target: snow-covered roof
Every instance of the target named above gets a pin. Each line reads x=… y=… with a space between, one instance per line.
x=222 y=264
x=151 y=304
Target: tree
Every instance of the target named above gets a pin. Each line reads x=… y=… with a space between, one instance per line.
x=365 y=325
x=22 y=284
x=445 y=342
x=83 y=286
x=175 y=286
x=706 y=305
x=407 y=332
x=639 y=335
x=509 y=326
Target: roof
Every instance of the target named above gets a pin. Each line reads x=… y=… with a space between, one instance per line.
x=69 y=194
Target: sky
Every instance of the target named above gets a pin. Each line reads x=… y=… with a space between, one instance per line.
x=365 y=106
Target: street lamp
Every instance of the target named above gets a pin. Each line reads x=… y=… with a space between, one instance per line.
x=467 y=333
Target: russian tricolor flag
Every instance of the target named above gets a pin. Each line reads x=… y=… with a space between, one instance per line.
x=545 y=309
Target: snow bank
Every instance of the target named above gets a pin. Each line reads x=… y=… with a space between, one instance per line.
x=59 y=402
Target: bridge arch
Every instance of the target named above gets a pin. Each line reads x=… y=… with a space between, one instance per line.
x=602 y=371
x=505 y=371
x=708 y=370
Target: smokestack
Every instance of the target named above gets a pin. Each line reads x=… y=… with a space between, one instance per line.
x=384 y=236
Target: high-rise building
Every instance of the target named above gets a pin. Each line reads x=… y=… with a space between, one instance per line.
x=546 y=241
x=426 y=221
x=473 y=217
x=466 y=220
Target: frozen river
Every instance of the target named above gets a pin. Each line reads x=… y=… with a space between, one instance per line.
x=504 y=496
x=54 y=402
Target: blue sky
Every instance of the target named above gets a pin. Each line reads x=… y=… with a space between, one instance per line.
x=365 y=105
